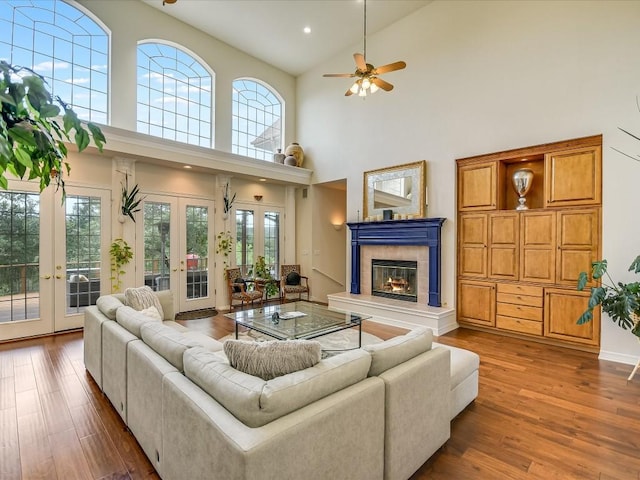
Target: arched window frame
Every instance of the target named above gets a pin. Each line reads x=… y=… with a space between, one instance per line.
x=242 y=128
x=61 y=68
x=177 y=118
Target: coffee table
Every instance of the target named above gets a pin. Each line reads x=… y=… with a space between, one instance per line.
x=297 y=320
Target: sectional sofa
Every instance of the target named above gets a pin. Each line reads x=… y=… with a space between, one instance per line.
x=376 y=412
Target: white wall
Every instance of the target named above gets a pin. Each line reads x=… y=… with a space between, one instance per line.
x=481 y=77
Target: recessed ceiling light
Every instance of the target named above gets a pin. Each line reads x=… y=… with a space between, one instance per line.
x=306 y=29
x=187 y=166
x=262 y=180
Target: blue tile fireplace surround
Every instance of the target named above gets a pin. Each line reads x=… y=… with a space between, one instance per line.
x=422 y=231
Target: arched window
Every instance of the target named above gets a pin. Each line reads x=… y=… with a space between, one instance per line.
x=174 y=95
x=63 y=44
x=257 y=120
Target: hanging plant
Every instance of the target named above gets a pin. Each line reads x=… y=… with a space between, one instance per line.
x=121 y=254
x=228 y=202
x=224 y=246
x=31 y=139
x=130 y=202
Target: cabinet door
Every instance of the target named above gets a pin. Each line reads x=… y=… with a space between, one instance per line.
x=477 y=303
x=562 y=308
x=578 y=244
x=504 y=232
x=477 y=186
x=573 y=177
x=472 y=257
x=538 y=247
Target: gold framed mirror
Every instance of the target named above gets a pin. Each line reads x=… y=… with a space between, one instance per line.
x=401 y=189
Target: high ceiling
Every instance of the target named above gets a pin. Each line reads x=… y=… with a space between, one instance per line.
x=272 y=30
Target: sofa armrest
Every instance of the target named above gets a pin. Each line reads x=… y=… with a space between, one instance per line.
x=417 y=411
x=314 y=442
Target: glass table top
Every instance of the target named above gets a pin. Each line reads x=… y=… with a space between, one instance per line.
x=294 y=320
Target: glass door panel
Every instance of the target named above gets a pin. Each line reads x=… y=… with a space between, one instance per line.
x=196 y=232
x=82 y=269
x=244 y=241
x=157 y=245
x=272 y=242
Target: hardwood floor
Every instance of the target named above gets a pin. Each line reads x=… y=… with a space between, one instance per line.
x=542 y=413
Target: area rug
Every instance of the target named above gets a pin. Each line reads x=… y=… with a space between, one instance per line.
x=332 y=343
x=196 y=314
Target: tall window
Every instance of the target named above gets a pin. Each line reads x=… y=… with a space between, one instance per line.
x=257 y=120
x=64 y=45
x=174 y=95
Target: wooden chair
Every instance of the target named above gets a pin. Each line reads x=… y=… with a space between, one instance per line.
x=238 y=290
x=293 y=289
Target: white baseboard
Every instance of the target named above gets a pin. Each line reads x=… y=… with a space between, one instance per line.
x=618 y=357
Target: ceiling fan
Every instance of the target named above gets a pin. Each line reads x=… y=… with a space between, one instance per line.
x=367 y=75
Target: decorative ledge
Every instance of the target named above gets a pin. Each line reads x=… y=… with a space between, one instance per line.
x=422 y=231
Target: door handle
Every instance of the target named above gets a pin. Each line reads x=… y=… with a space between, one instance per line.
x=46 y=277
x=175 y=269
x=58 y=276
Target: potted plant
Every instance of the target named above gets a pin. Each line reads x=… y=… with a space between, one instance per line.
x=228 y=201
x=121 y=254
x=31 y=139
x=621 y=301
x=224 y=246
x=130 y=202
x=263 y=274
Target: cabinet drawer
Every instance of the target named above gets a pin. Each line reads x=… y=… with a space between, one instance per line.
x=519 y=311
x=520 y=289
x=517 y=325
x=520 y=299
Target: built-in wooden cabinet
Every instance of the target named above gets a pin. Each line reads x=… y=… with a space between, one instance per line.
x=477 y=303
x=518 y=269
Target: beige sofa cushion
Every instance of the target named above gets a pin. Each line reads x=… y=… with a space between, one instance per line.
x=397 y=350
x=272 y=359
x=171 y=344
x=132 y=319
x=256 y=402
x=108 y=305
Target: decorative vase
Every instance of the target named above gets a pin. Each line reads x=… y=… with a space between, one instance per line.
x=279 y=157
x=295 y=150
x=522 y=180
x=291 y=160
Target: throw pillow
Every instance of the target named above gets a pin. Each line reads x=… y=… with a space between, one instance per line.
x=238 y=283
x=293 y=278
x=272 y=359
x=141 y=298
x=151 y=312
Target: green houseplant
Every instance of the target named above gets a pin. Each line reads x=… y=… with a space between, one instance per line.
x=262 y=272
x=31 y=139
x=121 y=254
x=621 y=301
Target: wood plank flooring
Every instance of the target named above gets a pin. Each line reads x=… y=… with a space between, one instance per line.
x=543 y=412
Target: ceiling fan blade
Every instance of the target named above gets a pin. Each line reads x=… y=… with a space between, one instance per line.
x=386 y=86
x=346 y=75
x=389 y=68
x=360 y=62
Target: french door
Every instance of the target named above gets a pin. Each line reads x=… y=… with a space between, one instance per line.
x=53 y=257
x=176 y=238
x=259 y=232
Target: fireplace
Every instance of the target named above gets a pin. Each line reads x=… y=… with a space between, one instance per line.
x=394 y=279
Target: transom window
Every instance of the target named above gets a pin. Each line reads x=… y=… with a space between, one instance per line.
x=257 y=120
x=64 y=45
x=174 y=95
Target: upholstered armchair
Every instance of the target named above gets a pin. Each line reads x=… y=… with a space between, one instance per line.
x=237 y=288
x=292 y=283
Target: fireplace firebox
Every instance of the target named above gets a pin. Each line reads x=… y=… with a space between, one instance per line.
x=394 y=279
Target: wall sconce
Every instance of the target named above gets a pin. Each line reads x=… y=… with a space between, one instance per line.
x=257 y=198
x=337 y=226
